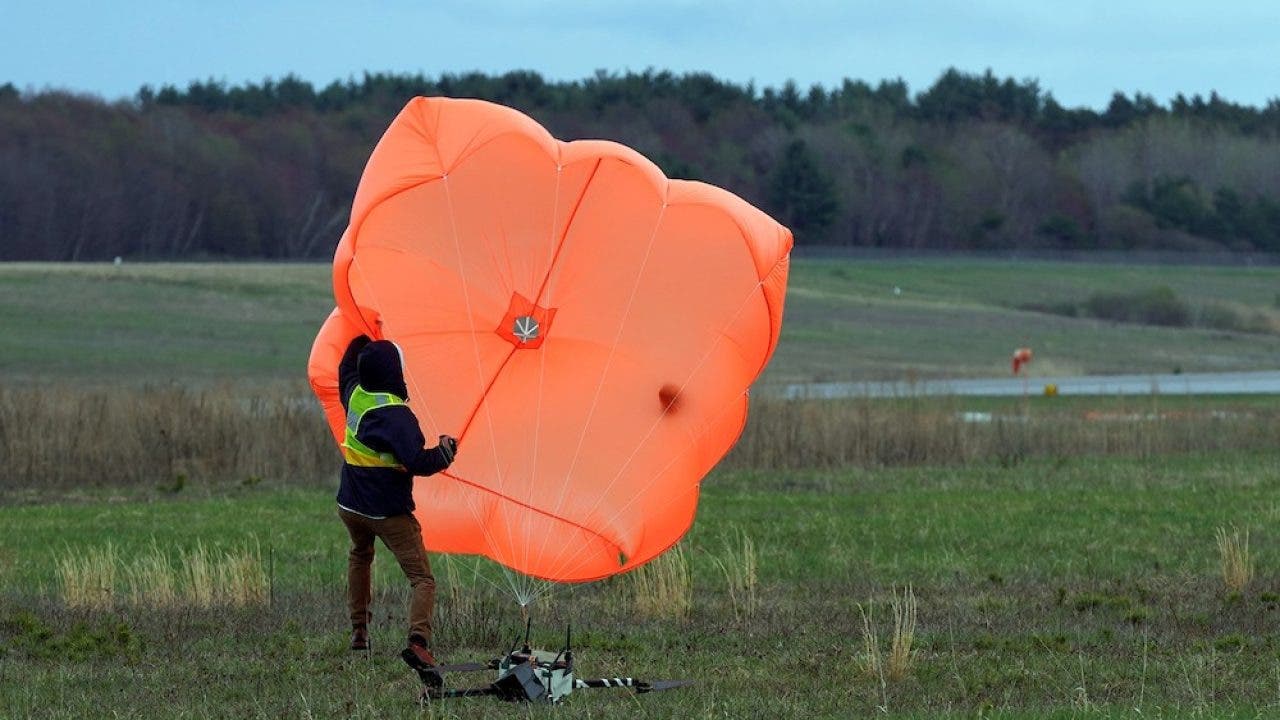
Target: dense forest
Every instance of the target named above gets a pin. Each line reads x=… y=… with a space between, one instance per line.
x=974 y=162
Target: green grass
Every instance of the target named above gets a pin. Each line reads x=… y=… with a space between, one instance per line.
x=954 y=318
x=160 y=322
x=960 y=281
x=957 y=318
x=1048 y=589
x=926 y=523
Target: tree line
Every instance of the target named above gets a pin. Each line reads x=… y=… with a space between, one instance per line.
x=267 y=170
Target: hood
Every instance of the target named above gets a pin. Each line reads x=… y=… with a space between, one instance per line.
x=380 y=369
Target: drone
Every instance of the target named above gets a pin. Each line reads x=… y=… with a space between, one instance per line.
x=528 y=675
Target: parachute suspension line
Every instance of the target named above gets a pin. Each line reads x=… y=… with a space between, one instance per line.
x=533 y=584
x=417 y=391
x=475 y=345
x=533 y=587
x=560 y=563
x=517 y=579
x=536 y=586
x=476 y=576
x=608 y=363
x=475 y=572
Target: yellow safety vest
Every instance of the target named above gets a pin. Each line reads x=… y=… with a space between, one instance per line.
x=355 y=452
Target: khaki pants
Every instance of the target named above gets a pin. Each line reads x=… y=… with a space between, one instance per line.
x=403 y=537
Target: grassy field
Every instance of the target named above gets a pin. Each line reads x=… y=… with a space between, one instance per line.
x=953 y=318
x=160 y=323
x=1052 y=589
x=1064 y=554
x=958 y=318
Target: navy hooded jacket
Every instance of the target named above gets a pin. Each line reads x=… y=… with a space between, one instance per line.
x=381 y=492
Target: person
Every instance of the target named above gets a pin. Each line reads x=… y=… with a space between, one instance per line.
x=383 y=450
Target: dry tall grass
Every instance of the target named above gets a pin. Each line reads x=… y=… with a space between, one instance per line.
x=1234 y=558
x=901 y=657
x=200 y=577
x=151 y=579
x=170 y=438
x=242 y=578
x=198 y=573
x=872 y=659
x=740 y=565
x=663 y=588
x=812 y=433
x=471 y=609
x=165 y=437
x=462 y=597
x=88 y=577
x=901 y=654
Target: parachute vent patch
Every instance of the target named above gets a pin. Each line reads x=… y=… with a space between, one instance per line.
x=526 y=323
x=525 y=328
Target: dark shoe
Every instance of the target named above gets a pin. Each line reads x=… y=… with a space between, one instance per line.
x=424 y=663
x=360 y=638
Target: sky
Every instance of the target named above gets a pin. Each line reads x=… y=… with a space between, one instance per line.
x=1081 y=51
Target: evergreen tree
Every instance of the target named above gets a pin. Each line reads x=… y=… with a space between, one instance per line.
x=801 y=194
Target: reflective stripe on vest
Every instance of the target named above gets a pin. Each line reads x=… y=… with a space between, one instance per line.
x=355 y=452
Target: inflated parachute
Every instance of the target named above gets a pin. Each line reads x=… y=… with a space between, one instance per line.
x=586 y=327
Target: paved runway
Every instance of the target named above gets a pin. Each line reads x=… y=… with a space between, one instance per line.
x=1238 y=383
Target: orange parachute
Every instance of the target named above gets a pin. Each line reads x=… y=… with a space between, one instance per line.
x=585 y=326
x=1021 y=357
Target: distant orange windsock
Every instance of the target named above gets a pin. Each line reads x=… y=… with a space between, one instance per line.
x=586 y=327
x=1021 y=357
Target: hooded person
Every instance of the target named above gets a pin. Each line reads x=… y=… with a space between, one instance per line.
x=383 y=450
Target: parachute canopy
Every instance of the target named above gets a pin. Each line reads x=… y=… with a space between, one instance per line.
x=1021 y=357
x=586 y=327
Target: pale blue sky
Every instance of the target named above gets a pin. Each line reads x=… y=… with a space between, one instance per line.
x=1080 y=50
